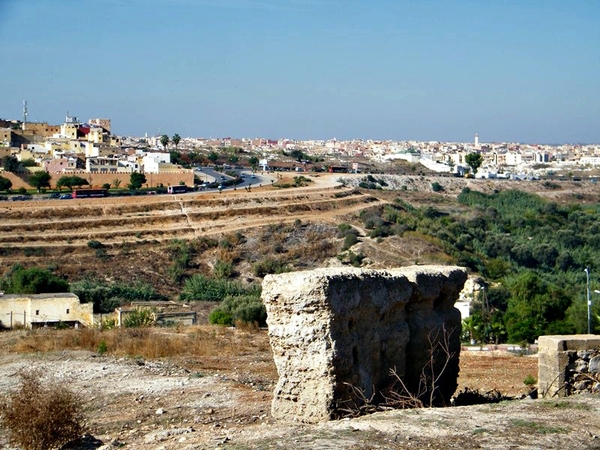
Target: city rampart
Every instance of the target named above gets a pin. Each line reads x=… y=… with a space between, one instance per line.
x=97 y=180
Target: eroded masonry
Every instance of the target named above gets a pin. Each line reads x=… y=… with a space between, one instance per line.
x=335 y=332
x=568 y=365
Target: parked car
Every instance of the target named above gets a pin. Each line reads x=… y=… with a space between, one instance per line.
x=65 y=197
x=18 y=198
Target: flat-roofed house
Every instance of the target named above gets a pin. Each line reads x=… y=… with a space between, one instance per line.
x=39 y=310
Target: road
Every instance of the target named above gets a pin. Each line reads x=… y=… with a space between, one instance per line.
x=209 y=175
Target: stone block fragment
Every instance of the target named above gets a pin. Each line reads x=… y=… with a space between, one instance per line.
x=333 y=331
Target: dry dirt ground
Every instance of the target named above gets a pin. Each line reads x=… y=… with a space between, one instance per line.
x=217 y=401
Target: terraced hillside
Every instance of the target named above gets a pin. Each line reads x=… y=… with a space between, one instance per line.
x=128 y=237
x=116 y=220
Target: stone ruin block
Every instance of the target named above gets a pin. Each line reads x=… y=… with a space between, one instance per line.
x=568 y=364
x=333 y=330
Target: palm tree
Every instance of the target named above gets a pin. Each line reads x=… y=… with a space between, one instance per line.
x=164 y=140
x=175 y=139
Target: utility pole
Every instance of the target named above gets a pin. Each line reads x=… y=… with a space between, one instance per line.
x=589 y=301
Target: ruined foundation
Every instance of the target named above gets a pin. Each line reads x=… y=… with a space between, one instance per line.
x=568 y=365
x=333 y=330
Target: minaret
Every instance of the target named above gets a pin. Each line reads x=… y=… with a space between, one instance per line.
x=476 y=140
x=24 y=112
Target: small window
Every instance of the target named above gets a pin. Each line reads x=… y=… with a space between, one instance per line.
x=67 y=310
x=37 y=312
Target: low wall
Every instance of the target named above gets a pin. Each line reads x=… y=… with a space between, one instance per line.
x=333 y=331
x=568 y=365
x=96 y=180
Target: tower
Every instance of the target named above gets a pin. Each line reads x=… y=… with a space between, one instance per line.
x=24 y=112
x=476 y=140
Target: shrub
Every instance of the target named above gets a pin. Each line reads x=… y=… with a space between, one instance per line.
x=245 y=309
x=95 y=244
x=102 y=347
x=42 y=415
x=437 y=187
x=223 y=269
x=349 y=241
x=529 y=381
x=139 y=317
x=199 y=287
x=219 y=317
x=269 y=265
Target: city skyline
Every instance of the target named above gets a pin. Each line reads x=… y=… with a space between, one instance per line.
x=307 y=69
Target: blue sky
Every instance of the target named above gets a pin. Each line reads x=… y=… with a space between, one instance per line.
x=510 y=70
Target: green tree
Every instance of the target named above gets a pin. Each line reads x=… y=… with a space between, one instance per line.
x=71 y=182
x=29 y=162
x=164 y=140
x=474 y=161
x=253 y=161
x=10 y=163
x=176 y=139
x=33 y=281
x=213 y=156
x=136 y=180
x=40 y=180
x=5 y=184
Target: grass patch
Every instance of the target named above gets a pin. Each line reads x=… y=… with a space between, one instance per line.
x=536 y=427
x=565 y=405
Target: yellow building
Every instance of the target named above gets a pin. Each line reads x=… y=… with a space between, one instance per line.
x=38 y=310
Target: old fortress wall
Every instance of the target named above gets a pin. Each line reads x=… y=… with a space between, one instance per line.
x=333 y=331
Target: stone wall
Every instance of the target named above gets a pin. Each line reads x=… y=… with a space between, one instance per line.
x=333 y=330
x=96 y=180
x=568 y=365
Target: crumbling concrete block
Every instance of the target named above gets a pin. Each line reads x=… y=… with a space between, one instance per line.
x=334 y=330
x=563 y=362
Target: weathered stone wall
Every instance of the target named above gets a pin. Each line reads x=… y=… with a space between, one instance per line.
x=334 y=329
x=568 y=365
x=96 y=180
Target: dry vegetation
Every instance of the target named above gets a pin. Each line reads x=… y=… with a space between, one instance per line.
x=215 y=382
x=214 y=388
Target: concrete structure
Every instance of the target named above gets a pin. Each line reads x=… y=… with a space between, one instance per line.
x=153 y=161
x=38 y=310
x=104 y=123
x=336 y=330
x=163 y=313
x=568 y=364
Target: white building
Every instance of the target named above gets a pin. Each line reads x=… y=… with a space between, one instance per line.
x=152 y=161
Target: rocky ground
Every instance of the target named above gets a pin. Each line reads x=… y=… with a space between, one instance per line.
x=211 y=402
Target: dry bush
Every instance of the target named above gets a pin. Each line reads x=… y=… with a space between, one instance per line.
x=42 y=414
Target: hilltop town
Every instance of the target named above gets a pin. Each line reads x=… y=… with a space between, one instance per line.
x=91 y=147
